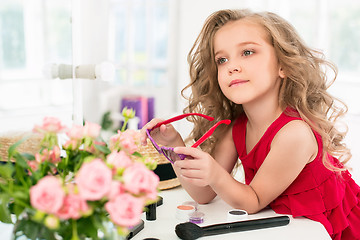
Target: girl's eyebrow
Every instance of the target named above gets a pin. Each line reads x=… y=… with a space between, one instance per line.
x=249 y=43
x=241 y=44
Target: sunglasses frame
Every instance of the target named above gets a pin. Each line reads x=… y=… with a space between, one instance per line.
x=168 y=152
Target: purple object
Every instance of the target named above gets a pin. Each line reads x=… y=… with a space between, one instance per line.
x=197 y=217
x=151 y=108
x=168 y=152
x=140 y=105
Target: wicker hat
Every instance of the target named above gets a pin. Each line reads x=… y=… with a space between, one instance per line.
x=30 y=145
x=164 y=170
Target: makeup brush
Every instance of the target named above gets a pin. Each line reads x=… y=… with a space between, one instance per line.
x=190 y=231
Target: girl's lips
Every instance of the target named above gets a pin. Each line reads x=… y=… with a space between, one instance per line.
x=237 y=81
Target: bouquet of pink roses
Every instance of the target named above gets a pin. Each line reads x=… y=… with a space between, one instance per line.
x=79 y=189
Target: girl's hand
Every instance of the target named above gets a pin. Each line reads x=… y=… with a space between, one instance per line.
x=165 y=134
x=200 y=170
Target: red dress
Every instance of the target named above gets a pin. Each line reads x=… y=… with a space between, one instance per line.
x=319 y=194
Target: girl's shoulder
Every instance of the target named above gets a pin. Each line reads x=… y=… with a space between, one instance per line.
x=297 y=129
x=297 y=135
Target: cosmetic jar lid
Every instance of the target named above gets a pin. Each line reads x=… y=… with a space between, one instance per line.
x=237 y=214
x=183 y=212
x=192 y=203
x=197 y=217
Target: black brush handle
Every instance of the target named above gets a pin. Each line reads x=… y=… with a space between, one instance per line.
x=245 y=225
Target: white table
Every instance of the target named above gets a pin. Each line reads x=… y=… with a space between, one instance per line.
x=163 y=227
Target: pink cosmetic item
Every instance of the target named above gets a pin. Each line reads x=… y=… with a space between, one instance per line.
x=183 y=212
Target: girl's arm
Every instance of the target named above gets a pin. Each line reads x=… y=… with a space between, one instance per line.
x=292 y=148
x=226 y=157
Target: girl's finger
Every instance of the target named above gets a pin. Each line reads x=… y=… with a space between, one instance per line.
x=185 y=150
x=190 y=173
x=189 y=151
x=149 y=125
x=189 y=163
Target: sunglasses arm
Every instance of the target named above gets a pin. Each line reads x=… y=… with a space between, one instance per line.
x=170 y=120
x=208 y=133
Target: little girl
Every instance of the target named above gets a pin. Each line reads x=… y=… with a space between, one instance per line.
x=254 y=69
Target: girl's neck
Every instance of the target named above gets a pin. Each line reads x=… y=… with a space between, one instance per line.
x=262 y=117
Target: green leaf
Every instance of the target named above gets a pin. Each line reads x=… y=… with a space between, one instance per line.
x=86 y=226
x=20 y=160
x=137 y=154
x=17 y=209
x=32 y=230
x=28 y=156
x=103 y=149
x=106 y=121
x=6 y=170
x=12 y=148
x=5 y=215
x=21 y=194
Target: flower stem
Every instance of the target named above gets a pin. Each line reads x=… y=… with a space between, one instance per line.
x=124 y=125
x=74 y=231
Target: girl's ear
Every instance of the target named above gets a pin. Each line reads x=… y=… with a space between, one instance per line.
x=281 y=73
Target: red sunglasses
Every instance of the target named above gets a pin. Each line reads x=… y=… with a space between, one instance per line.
x=168 y=152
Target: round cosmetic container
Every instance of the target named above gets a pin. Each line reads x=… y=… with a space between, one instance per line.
x=197 y=217
x=183 y=212
x=236 y=215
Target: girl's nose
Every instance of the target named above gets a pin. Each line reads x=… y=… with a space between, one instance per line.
x=233 y=69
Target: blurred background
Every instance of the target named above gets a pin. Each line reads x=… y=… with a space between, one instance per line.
x=139 y=49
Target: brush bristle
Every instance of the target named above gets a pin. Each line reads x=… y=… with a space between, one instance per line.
x=188 y=231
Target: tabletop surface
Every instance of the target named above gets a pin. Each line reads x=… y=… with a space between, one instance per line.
x=216 y=212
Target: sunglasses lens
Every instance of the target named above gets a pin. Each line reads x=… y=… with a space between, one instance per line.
x=170 y=154
x=152 y=141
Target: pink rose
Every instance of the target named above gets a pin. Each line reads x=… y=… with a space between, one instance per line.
x=47 y=195
x=76 y=132
x=93 y=180
x=125 y=210
x=50 y=124
x=54 y=155
x=116 y=189
x=129 y=145
x=33 y=165
x=127 y=140
x=71 y=144
x=41 y=157
x=119 y=159
x=91 y=130
x=73 y=207
x=124 y=140
x=137 y=179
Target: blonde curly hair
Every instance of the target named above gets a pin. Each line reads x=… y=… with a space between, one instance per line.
x=304 y=88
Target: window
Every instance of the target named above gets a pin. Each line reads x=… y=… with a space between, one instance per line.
x=141 y=45
x=139 y=33
x=33 y=35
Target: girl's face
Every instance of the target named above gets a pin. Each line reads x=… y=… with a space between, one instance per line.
x=248 y=69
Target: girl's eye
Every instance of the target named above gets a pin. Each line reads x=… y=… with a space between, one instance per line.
x=221 y=60
x=247 y=53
